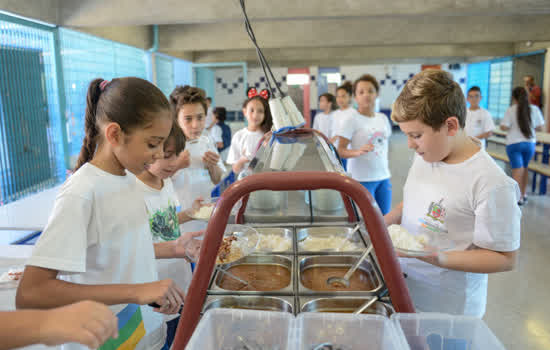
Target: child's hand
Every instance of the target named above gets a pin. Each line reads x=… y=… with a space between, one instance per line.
x=187 y=246
x=184 y=160
x=210 y=159
x=86 y=322
x=369 y=147
x=165 y=293
x=197 y=203
x=333 y=139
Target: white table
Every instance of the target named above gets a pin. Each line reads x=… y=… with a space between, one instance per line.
x=10 y=256
x=29 y=213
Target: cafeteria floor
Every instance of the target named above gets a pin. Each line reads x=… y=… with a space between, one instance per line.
x=518 y=306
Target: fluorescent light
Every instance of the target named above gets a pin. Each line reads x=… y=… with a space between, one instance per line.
x=334 y=78
x=297 y=79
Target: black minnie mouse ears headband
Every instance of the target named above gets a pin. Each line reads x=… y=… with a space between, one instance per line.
x=252 y=92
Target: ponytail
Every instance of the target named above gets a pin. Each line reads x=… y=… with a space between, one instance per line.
x=523 y=111
x=89 y=143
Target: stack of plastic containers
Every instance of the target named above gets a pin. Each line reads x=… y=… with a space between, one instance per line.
x=231 y=329
x=432 y=331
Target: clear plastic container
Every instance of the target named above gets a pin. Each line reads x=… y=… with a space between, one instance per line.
x=435 y=331
x=241 y=329
x=347 y=332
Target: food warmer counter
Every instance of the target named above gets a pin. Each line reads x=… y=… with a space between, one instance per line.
x=297 y=196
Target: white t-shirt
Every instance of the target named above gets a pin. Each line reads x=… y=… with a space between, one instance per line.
x=362 y=130
x=209 y=116
x=191 y=183
x=338 y=118
x=482 y=211
x=243 y=144
x=323 y=123
x=478 y=122
x=163 y=222
x=216 y=134
x=510 y=120
x=98 y=233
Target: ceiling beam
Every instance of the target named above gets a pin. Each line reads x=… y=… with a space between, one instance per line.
x=356 y=32
x=358 y=55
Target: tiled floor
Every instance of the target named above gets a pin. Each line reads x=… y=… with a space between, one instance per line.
x=518 y=307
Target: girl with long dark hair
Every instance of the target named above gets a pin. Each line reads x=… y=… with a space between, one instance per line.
x=521 y=120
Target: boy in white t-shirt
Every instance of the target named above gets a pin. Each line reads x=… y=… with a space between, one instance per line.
x=479 y=122
x=455 y=188
x=161 y=202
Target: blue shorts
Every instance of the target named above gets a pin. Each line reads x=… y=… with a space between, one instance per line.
x=381 y=191
x=520 y=154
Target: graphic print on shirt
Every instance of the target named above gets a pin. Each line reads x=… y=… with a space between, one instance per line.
x=164 y=224
x=377 y=140
x=434 y=220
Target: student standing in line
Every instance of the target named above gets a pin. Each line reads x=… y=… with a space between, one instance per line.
x=521 y=120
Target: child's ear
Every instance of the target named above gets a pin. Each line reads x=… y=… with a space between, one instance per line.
x=453 y=126
x=113 y=134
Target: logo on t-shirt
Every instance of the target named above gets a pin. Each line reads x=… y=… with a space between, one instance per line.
x=437 y=211
x=377 y=140
x=164 y=224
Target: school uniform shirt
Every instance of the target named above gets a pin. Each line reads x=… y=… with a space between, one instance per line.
x=481 y=212
x=323 y=123
x=362 y=130
x=98 y=233
x=193 y=182
x=209 y=116
x=478 y=122
x=339 y=118
x=243 y=144
x=163 y=221
x=216 y=134
x=510 y=120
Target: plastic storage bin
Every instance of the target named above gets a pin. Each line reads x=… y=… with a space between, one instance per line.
x=347 y=332
x=242 y=329
x=432 y=331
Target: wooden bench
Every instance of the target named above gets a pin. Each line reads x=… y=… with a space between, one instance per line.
x=536 y=168
x=501 y=141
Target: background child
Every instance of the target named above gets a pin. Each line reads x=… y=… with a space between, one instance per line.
x=479 y=122
x=161 y=202
x=86 y=322
x=363 y=141
x=521 y=120
x=244 y=142
x=455 y=188
x=194 y=181
x=323 y=119
x=220 y=116
x=345 y=110
x=97 y=244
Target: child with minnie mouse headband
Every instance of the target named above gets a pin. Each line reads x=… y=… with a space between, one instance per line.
x=244 y=142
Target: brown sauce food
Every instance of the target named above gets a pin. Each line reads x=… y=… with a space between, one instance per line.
x=315 y=278
x=259 y=278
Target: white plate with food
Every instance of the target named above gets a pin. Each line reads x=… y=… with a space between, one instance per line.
x=429 y=242
x=204 y=211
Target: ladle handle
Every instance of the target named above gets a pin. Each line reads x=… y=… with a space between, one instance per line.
x=366 y=305
x=231 y=275
x=359 y=262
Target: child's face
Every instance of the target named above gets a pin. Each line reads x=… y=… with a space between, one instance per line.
x=342 y=98
x=166 y=167
x=474 y=97
x=191 y=119
x=431 y=145
x=255 y=114
x=365 y=94
x=143 y=146
x=324 y=104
